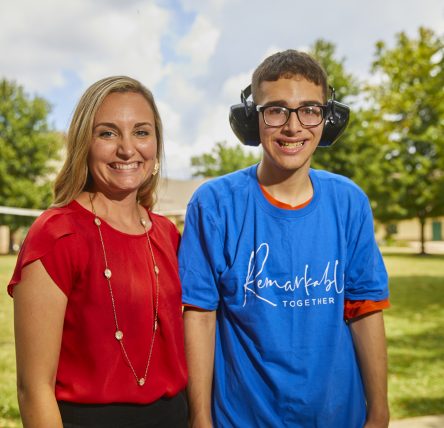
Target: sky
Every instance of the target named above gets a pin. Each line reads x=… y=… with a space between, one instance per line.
x=195 y=55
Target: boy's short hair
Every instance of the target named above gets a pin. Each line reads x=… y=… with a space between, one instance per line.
x=287 y=64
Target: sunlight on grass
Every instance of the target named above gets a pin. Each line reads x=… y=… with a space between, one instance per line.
x=401 y=265
x=9 y=414
x=415 y=335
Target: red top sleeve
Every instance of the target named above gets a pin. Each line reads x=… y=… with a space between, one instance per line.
x=52 y=240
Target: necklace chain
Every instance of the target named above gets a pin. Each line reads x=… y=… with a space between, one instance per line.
x=108 y=273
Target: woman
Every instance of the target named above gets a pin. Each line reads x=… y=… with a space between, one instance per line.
x=97 y=299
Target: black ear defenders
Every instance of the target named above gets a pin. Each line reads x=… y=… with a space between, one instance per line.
x=244 y=120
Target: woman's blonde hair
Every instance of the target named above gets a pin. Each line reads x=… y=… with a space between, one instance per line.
x=74 y=177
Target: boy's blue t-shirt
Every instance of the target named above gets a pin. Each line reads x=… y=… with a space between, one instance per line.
x=278 y=278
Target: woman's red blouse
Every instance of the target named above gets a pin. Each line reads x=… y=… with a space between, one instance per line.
x=92 y=367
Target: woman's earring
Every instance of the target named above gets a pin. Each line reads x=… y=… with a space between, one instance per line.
x=156 y=168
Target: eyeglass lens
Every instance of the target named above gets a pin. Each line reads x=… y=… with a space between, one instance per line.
x=307 y=115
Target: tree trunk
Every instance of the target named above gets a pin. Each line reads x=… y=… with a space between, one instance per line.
x=422 y=220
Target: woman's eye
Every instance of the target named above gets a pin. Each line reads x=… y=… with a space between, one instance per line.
x=142 y=133
x=106 y=134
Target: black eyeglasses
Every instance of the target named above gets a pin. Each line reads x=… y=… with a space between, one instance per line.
x=275 y=116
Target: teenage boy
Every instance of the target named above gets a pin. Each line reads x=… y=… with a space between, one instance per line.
x=283 y=282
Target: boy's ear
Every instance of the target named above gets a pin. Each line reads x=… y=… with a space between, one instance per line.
x=244 y=121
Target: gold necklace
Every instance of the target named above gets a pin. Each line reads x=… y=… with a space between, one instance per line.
x=107 y=273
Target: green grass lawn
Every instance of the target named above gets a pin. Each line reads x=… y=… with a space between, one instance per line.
x=9 y=415
x=415 y=332
x=414 y=324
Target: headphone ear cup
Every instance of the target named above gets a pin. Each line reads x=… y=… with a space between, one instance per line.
x=244 y=123
x=336 y=122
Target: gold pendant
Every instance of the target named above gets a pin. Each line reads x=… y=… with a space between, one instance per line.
x=141 y=381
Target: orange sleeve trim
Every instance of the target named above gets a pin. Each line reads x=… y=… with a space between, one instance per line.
x=357 y=308
x=280 y=204
x=186 y=306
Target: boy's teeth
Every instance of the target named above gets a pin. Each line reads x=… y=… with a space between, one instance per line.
x=285 y=144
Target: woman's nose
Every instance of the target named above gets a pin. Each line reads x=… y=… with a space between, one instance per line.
x=126 y=146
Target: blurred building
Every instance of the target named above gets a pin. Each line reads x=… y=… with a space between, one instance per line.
x=410 y=230
x=173 y=197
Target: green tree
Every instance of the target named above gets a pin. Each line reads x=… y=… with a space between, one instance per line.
x=28 y=149
x=221 y=160
x=409 y=103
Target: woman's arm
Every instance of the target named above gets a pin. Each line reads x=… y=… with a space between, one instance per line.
x=39 y=312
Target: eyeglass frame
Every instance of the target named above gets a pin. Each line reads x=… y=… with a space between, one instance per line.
x=261 y=108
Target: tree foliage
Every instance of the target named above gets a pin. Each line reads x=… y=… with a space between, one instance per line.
x=222 y=159
x=28 y=150
x=408 y=102
x=393 y=147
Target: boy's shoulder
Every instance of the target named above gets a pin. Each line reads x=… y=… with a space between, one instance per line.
x=332 y=181
x=224 y=187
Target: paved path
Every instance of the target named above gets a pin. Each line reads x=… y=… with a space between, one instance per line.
x=422 y=422
x=431 y=247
